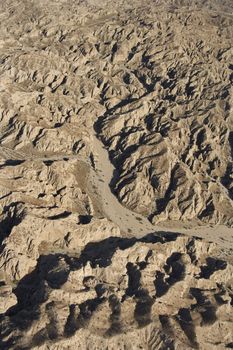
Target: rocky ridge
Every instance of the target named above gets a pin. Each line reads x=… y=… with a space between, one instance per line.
x=153 y=82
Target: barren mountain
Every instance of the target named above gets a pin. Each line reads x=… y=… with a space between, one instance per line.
x=116 y=174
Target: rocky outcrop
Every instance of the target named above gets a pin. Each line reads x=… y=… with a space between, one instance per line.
x=157 y=292
x=112 y=114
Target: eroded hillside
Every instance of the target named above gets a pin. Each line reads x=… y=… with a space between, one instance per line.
x=114 y=119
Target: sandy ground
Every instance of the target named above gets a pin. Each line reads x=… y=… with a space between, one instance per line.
x=134 y=224
x=112 y=113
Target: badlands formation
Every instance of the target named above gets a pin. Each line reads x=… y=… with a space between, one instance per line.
x=116 y=174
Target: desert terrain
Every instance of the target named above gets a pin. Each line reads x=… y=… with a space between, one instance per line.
x=116 y=175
